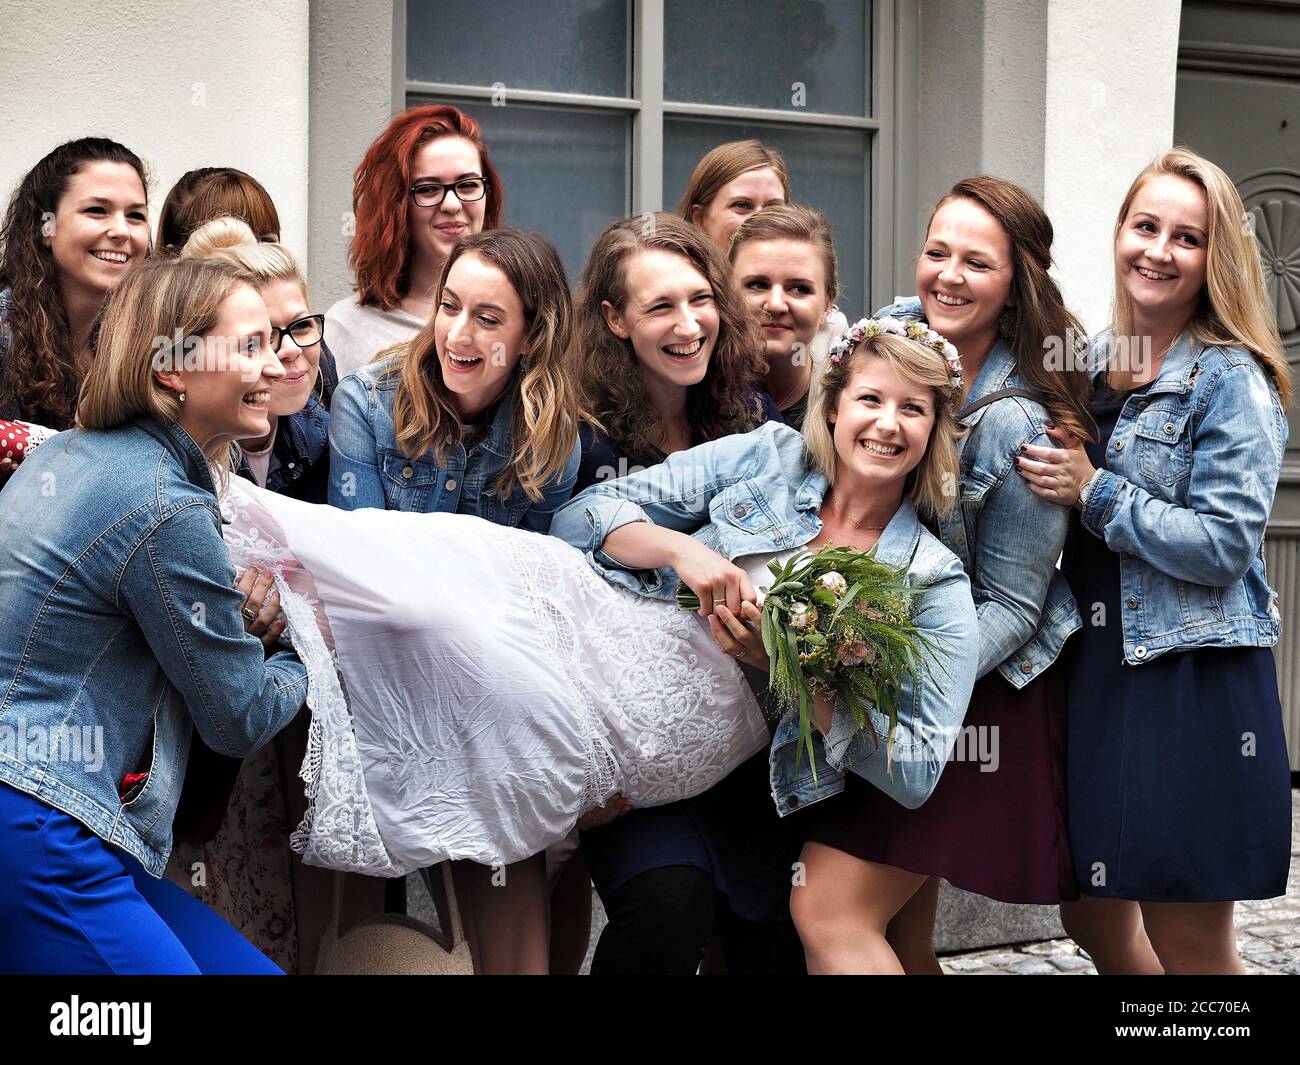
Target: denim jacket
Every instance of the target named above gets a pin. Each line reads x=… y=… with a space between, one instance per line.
x=1007 y=537
x=755 y=493
x=367 y=469
x=300 y=456
x=122 y=632
x=1184 y=500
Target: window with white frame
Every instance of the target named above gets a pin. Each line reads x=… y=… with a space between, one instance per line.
x=595 y=109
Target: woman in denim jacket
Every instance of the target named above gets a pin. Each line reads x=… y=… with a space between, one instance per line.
x=996 y=823
x=123 y=630
x=478 y=414
x=236 y=816
x=876 y=449
x=1179 y=789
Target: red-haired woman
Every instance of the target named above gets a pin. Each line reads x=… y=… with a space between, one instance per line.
x=424 y=183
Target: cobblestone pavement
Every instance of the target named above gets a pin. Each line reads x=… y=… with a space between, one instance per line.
x=1268 y=937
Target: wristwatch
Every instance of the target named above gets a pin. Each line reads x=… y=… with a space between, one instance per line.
x=1086 y=490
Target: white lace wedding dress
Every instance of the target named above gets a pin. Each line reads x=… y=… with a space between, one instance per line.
x=475 y=689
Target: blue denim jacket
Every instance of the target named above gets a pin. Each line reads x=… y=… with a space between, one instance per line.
x=367 y=469
x=300 y=457
x=122 y=630
x=755 y=493
x=1191 y=470
x=1007 y=537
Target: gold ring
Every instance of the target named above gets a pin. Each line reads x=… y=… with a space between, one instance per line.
x=248 y=613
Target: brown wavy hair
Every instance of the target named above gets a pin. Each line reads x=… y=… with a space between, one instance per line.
x=381 y=198
x=725 y=402
x=544 y=425
x=1040 y=320
x=214 y=192
x=40 y=372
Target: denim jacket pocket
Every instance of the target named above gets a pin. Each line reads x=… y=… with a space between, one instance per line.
x=1164 y=444
x=740 y=507
x=408 y=483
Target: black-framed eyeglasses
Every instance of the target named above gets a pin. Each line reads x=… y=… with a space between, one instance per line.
x=467 y=190
x=304 y=332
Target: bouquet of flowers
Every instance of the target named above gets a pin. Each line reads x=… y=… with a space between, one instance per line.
x=838 y=622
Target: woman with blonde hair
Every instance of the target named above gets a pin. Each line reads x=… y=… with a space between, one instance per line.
x=1178 y=775
x=253 y=879
x=875 y=458
x=996 y=823
x=125 y=562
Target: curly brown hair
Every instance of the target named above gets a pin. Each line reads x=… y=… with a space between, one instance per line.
x=40 y=372
x=725 y=402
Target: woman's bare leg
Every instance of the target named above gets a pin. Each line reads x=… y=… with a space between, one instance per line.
x=911 y=932
x=843 y=909
x=1193 y=938
x=505 y=911
x=1112 y=932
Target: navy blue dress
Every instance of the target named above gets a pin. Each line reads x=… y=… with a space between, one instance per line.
x=731 y=831
x=1178 y=783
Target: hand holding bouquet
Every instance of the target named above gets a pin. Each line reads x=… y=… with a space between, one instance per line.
x=839 y=622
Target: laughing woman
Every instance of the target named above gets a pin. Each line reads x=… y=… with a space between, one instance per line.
x=982 y=281
x=478 y=414
x=1179 y=790
x=125 y=563
x=77 y=224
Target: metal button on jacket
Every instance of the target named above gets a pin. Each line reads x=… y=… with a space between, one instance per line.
x=1132 y=602
x=1119 y=445
x=408 y=472
x=740 y=510
x=1026 y=666
x=1169 y=428
x=451 y=484
x=1139 y=652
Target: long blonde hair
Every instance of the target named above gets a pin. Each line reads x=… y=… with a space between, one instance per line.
x=160 y=300
x=1234 y=310
x=933 y=484
x=544 y=424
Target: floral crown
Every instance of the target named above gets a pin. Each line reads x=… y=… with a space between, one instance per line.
x=865 y=328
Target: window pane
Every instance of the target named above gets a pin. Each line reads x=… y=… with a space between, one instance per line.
x=579 y=46
x=756 y=53
x=565 y=172
x=829 y=170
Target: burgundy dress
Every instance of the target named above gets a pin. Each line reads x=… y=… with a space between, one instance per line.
x=1000 y=832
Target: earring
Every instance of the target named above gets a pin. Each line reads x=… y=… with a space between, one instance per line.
x=1007 y=322
x=182 y=397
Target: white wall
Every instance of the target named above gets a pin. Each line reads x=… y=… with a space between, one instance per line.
x=182 y=85
x=352 y=98
x=1111 y=70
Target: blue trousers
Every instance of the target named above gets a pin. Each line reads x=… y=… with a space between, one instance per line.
x=72 y=904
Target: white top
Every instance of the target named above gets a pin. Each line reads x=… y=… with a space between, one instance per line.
x=756 y=566
x=260 y=461
x=356 y=334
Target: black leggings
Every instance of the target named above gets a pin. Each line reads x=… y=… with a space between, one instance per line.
x=660 y=923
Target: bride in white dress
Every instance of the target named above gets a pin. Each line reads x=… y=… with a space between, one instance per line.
x=475 y=689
